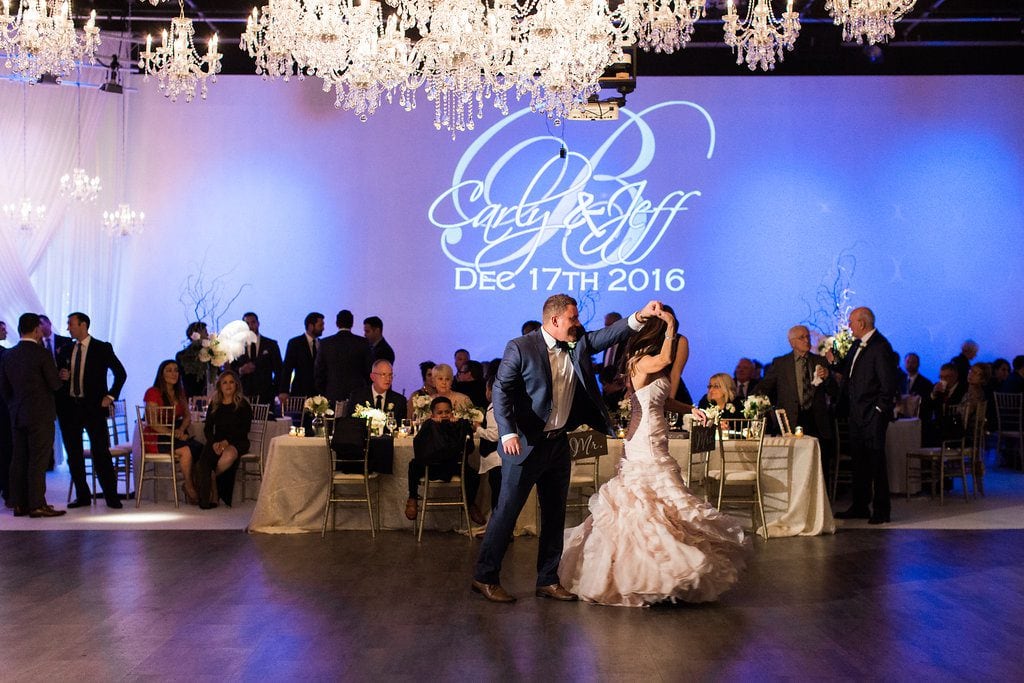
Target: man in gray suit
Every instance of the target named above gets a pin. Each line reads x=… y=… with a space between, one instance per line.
x=343 y=363
x=28 y=380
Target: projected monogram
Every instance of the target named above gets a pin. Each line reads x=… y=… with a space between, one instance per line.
x=512 y=208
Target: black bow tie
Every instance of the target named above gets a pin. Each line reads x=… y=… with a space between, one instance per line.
x=564 y=345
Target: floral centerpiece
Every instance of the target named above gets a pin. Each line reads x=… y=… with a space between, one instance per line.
x=841 y=342
x=421 y=406
x=376 y=419
x=470 y=413
x=319 y=406
x=713 y=414
x=756 y=407
x=205 y=355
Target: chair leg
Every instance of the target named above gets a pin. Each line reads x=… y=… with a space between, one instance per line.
x=423 y=507
x=942 y=481
x=906 y=478
x=760 y=506
x=369 y=507
x=327 y=511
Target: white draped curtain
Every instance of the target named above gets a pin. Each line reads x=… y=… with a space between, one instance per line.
x=69 y=263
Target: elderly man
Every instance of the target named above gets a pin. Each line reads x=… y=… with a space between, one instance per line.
x=746 y=381
x=379 y=394
x=800 y=383
x=968 y=352
x=869 y=380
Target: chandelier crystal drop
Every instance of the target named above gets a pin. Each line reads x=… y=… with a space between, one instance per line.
x=123 y=221
x=178 y=67
x=25 y=215
x=80 y=186
x=41 y=38
x=761 y=37
x=661 y=25
x=870 y=21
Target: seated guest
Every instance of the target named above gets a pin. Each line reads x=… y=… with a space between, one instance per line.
x=443 y=379
x=722 y=394
x=947 y=392
x=968 y=352
x=427 y=372
x=916 y=384
x=194 y=372
x=379 y=394
x=979 y=391
x=470 y=381
x=745 y=380
x=228 y=421
x=167 y=391
x=1000 y=373
x=1014 y=384
x=440 y=443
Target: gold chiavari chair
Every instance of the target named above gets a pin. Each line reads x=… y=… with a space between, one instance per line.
x=740 y=466
x=251 y=463
x=348 y=452
x=445 y=495
x=1010 y=424
x=701 y=445
x=158 y=446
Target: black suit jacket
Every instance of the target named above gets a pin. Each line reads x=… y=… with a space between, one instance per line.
x=364 y=396
x=98 y=361
x=342 y=365
x=383 y=351
x=921 y=386
x=28 y=378
x=751 y=390
x=870 y=387
x=780 y=385
x=60 y=343
x=261 y=385
x=298 y=359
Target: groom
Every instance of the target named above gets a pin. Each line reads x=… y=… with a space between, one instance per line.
x=544 y=388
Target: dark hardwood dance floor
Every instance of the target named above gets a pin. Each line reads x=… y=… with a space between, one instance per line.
x=196 y=605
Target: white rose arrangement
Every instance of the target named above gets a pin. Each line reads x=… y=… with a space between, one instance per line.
x=376 y=419
x=421 y=406
x=318 y=405
x=470 y=413
x=756 y=406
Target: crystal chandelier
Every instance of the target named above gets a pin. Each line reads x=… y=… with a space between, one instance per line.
x=41 y=38
x=25 y=214
x=662 y=25
x=761 y=37
x=78 y=184
x=123 y=221
x=177 y=65
x=868 y=21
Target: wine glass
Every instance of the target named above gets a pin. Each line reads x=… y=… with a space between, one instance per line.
x=392 y=423
x=671 y=417
x=406 y=428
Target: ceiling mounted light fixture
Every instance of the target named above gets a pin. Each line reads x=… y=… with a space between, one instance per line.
x=176 y=64
x=41 y=38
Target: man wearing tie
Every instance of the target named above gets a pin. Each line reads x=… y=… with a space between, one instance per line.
x=296 y=376
x=260 y=366
x=28 y=379
x=84 y=403
x=745 y=380
x=544 y=388
x=379 y=394
x=53 y=343
x=869 y=372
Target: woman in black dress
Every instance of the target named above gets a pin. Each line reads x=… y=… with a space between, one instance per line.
x=227 y=437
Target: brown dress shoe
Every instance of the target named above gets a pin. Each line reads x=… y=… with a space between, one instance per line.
x=556 y=592
x=411 y=509
x=46 y=511
x=20 y=511
x=492 y=591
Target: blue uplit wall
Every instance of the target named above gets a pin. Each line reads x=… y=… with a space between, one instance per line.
x=733 y=199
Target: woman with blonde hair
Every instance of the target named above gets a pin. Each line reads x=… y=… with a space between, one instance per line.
x=443 y=378
x=228 y=421
x=722 y=395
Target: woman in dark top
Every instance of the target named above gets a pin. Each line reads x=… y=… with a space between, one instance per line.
x=227 y=437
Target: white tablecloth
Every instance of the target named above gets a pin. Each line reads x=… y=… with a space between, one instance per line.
x=195 y=429
x=296 y=481
x=902 y=436
x=793 y=485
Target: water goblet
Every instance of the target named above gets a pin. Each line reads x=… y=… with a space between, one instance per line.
x=671 y=417
x=392 y=423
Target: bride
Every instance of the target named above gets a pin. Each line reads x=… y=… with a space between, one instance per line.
x=648 y=539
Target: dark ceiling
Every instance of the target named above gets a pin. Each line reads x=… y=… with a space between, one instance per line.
x=936 y=37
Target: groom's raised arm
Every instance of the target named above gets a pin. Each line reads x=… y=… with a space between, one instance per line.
x=621 y=329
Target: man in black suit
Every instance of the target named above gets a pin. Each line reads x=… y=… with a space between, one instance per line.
x=260 y=366
x=296 y=376
x=5 y=433
x=53 y=343
x=379 y=394
x=544 y=388
x=800 y=383
x=1014 y=384
x=869 y=372
x=343 y=363
x=746 y=382
x=916 y=383
x=83 y=402
x=28 y=378
x=373 y=330
x=962 y=361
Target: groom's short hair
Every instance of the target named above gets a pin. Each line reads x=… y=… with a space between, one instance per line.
x=556 y=305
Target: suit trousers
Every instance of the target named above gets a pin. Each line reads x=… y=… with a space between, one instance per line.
x=870 y=473
x=74 y=416
x=548 y=467
x=32 y=446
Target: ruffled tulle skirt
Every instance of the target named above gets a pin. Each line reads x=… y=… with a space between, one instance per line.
x=648 y=539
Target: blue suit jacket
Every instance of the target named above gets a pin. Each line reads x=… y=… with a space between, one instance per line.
x=522 y=388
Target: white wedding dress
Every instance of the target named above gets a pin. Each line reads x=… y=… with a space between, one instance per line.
x=648 y=539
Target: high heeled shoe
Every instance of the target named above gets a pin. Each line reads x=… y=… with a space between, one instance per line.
x=191 y=500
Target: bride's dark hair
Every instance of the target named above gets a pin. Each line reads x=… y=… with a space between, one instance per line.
x=648 y=341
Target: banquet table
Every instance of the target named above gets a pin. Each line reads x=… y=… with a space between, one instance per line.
x=296 y=480
x=275 y=428
x=902 y=435
x=792 y=483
